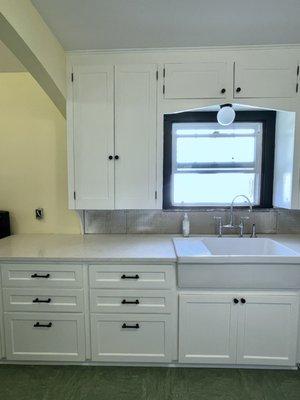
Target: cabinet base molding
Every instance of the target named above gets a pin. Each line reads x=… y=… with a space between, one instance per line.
x=136 y=364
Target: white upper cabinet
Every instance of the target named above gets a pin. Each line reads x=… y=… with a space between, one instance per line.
x=135 y=136
x=93 y=136
x=263 y=78
x=196 y=81
x=113 y=137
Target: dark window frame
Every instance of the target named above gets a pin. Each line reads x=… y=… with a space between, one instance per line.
x=268 y=120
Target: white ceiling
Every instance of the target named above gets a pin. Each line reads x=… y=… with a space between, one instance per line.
x=116 y=24
x=8 y=61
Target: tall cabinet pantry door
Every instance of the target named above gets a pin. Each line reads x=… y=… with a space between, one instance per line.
x=93 y=136
x=268 y=330
x=207 y=328
x=135 y=136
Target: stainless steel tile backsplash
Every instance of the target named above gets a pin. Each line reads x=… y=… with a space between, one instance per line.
x=202 y=221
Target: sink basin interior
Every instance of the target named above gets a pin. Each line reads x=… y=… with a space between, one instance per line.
x=212 y=246
x=246 y=246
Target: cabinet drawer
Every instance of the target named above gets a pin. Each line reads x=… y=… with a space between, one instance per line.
x=132 y=276
x=131 y=337
x=46 y=275
x=132 y=301
x=44 y=336
x=33 y=299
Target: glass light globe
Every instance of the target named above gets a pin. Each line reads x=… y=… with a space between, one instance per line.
x=226 y=115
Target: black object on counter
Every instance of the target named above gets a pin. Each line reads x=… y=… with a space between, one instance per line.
x=4 y=224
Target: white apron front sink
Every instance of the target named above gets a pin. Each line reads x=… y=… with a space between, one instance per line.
x=210 y=262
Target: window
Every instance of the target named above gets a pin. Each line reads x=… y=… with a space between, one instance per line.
x=206 y=164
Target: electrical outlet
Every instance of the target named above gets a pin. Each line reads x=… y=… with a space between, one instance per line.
x=39 y=213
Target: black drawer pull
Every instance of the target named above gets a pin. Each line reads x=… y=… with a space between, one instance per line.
x=130 y=276
x=37 y=300
x=130 y=302
x=38 y=325
x=125 y=326
x=40 y=276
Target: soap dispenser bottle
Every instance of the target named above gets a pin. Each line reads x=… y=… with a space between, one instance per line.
x=185 y=225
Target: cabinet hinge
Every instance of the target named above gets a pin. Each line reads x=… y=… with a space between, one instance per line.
x=297 y=87
x=164 y=89
x=74 y=195
x=72 y=77
x=155 y=195
x=164 y=72
x=157 y=75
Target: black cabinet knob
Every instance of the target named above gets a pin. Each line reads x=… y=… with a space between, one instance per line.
x=223 y=91
x=117 y=157
x=243 y=301
x=238 y=89
x=235 y=301
x=110 y=157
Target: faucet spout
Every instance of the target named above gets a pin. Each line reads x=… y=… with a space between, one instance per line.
x=232 y=205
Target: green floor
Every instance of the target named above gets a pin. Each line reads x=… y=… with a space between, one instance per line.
x=118 y=383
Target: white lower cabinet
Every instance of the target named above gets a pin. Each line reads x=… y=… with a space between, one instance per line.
x=267 y=330
x=233 y=328
x=45 y=336
x=128 y=337
x=207 y=329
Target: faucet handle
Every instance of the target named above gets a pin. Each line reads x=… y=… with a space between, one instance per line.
x=253 y=233
x=219 y=223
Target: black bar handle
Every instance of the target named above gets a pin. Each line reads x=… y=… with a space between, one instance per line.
x=125 y=326
x=130 y=276
x=124 y=301
x=40 y=276
x=37 y=300
x=38 y=325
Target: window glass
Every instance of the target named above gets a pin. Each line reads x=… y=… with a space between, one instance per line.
x=210 y=165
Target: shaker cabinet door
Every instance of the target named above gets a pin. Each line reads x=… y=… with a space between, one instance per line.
x=207 y=329
x=135 y=136
x=267 y=329
x=205 y=80
x=265 y=78
x=93 y=109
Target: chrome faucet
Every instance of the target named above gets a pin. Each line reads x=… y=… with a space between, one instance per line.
x=231 y=209
x=241 y=225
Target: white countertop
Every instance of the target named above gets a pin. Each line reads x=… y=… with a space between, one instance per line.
x=87 y=248
x=109 y=247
